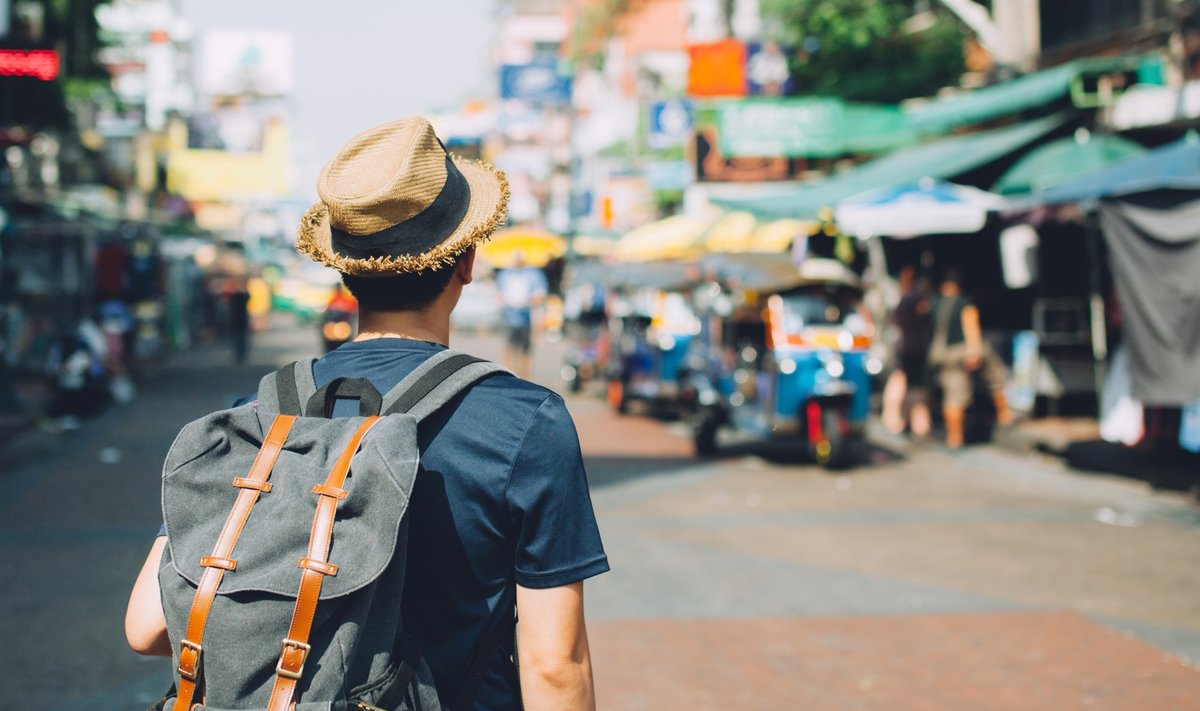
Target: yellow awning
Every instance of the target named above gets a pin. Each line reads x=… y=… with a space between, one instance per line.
x=675 y=237
x=777 y=236
x=731 y=233
x=536 y=247
x=593 y=246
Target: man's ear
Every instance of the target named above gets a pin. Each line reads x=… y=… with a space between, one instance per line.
x=465 y=266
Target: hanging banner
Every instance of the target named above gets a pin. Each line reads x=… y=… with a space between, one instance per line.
x=775 y=127
x=809 y=128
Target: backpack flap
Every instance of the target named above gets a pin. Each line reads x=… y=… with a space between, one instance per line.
x=198 y=494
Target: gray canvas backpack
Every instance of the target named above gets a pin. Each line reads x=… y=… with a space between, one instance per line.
x=286 y=543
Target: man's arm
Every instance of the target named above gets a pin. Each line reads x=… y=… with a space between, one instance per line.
x=145 y=624
x=552 y=649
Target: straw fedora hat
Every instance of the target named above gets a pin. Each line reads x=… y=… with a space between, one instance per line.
x=393 y=201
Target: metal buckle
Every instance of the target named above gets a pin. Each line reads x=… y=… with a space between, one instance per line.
x=301 y=647
x=189 y=674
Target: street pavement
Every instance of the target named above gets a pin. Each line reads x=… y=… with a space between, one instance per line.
x=921 y=579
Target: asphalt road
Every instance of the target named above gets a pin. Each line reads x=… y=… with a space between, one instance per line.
x=922 y=579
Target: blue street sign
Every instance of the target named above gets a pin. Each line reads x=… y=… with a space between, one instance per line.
x=537 y=83
x=670 y=123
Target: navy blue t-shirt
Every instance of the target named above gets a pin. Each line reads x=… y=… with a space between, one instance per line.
x=501 y=497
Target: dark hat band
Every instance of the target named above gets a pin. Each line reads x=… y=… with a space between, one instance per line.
x=416 y=235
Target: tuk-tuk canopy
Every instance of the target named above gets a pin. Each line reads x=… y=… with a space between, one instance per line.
x=661 y=276
x=773 y=273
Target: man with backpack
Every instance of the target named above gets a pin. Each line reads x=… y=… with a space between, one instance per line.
x=395 y=506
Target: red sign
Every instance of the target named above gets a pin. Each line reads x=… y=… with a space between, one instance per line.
x=39 y=63
x=717 y=69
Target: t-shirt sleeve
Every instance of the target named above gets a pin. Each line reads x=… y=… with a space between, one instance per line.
x=558 y=541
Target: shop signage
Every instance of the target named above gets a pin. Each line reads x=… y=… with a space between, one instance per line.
x=537 y=83
x=38 y=63
x=236 y=62
x=717 y=69
x=669 y=174
x=767 y=72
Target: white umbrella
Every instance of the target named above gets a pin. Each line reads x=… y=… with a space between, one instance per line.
x=926 y=207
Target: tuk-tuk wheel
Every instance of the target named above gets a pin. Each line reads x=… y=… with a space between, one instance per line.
x=830 y=442
x=704 y=434
x=616 y=397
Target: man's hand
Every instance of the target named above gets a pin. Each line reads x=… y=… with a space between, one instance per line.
x=552 y=649
x=145 y=624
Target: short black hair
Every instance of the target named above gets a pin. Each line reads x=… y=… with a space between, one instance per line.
x=404 y=292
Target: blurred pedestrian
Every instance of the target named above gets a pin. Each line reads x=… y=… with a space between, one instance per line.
x=75 y=364
x=522 y=288
x=499 y=521
x=239 y=321
x=340 y=319
x=906 y=391
x=957 y=351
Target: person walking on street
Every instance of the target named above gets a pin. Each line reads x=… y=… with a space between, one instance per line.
x=908 y=382
x=956 y=352
x=239 y=321
x=500 y=521
x=522 y=288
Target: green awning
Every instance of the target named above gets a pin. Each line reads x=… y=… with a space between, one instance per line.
x=945 y=159
x=1064 y=161
x=940 y=116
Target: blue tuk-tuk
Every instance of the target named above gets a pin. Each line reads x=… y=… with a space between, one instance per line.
x=652 y=325
x=787 y=356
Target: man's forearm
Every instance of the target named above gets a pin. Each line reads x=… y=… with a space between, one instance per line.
x=558 y=687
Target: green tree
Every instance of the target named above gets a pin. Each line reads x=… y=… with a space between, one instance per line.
x=866 y=50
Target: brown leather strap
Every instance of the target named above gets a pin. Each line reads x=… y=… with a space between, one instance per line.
x=315 y=567
x=190 y=647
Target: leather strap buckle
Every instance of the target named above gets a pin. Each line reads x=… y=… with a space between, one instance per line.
x=288 y=666
x=317 y=566
x=189 y=659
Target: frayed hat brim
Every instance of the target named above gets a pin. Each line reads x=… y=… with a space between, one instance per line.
x=487 y=212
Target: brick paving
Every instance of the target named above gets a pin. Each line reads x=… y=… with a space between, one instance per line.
x=981 y=662
x=923 y=580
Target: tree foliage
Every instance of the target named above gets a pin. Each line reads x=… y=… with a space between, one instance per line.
x=860 y=50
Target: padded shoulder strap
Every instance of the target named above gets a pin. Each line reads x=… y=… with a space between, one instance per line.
x=435 y=382
x=286 y=390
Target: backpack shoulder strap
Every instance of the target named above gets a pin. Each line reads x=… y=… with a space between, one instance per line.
x=435 y=382
x=286 y=390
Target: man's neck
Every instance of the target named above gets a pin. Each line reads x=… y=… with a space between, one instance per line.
x=430 y=325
